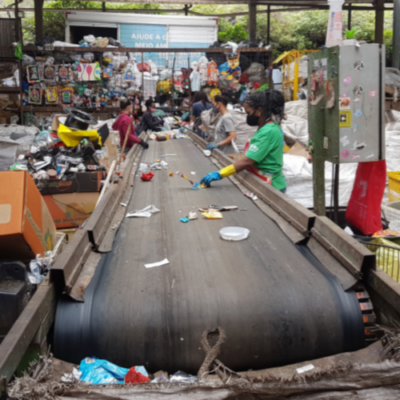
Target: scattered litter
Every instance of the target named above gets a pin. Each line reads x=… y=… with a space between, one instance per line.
x=75 y=376
x=306 y=368
x=184 y=220
x=196 y=186
x=193 y=173
x=147 y=177
x=251 y=196
x=101 y=372
x=173 y=283
x=182 y=377
x=116 y=225
x=146 y=212
x=212 y=214
x=166 y=155
x=185 y=177
x=219 y=208
x=234 y=233
x=160 y=377
x=171 y=174
x=143 y=167
x=157 y=264
x=35 y=276
x=137 y=375
x=123 y=205
x=349 y=231
x=192 y=215
x=207 y=153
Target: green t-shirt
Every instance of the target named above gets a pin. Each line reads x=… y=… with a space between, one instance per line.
x=266 y=149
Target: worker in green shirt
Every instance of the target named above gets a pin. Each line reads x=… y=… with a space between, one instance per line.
x=264 y=152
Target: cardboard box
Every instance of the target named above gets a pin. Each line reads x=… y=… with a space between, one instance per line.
x=72 y=209
x=26 y=225
x=56 y=123
x=80 y=182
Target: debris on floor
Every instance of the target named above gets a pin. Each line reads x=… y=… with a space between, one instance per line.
x=157 y=264
x=147 y=212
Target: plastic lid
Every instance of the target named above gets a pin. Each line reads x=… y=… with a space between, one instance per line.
x=234 y=233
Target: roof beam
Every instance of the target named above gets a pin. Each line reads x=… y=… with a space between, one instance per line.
x=237 y=2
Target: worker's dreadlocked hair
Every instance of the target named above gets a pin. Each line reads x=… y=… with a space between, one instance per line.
x=271 y=102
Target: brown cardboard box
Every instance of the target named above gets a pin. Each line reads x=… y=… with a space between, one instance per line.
x=56 y=123
x=71 y=210
x=26 y=226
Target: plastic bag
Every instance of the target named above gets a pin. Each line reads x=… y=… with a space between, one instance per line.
x=101 y=372
x=35 y=276
x=182 y=377
x=364 y=208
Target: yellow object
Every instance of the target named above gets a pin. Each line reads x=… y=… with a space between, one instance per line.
x=214 y=92
x=163 y=87
x=228 y=171
x=387 y=259
x=394 y=186
x=290 y=62
x=286 y=148
x=72 y=138
x=385 y=233
x=212 y=214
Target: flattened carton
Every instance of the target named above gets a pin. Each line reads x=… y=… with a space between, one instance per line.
x=26 y=225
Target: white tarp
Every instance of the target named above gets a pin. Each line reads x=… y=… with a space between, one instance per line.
x=298 y=171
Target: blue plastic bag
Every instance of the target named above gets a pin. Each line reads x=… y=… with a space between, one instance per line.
x=101 y=372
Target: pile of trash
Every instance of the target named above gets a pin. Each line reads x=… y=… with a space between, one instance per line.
x=372 y=372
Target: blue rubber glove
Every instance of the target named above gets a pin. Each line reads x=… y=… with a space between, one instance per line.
x=211 y=146
x=212 y=176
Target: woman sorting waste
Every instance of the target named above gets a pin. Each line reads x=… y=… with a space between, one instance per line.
x=200 y=104
x=122 y=123
x=225 y=130
x=264 y=152
x=148 y=121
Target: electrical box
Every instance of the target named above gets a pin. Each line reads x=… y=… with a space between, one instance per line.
x=346 y=102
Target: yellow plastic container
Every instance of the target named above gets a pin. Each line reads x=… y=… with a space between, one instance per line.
x=394 y=186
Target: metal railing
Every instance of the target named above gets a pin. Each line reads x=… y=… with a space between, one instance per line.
x=387 y=258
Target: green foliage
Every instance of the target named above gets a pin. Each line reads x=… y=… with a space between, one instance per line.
x=350 y=34
x=233 y=34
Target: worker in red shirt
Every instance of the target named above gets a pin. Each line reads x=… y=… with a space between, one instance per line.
x=121 y=125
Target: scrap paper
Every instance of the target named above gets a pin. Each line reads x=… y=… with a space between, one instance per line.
x=157 y=264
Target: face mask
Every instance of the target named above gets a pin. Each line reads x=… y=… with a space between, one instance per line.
x=152 y=110
x=215 y=110
x=252 y=120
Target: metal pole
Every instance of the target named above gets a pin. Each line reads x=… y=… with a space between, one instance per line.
x=186 y=10
x=396 y=35
x=39 y=19
x=252 y=25
x=379 y=21
x=349 y=18
x=269 y=24
x=104 y=6
x=336 y=193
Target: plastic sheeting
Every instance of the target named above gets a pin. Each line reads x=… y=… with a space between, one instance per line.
x=298 y=171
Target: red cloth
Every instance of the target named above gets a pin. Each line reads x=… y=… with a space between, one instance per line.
x=121 y=125
x=364 y=208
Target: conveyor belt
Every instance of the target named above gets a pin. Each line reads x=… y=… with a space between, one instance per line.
x=276 y=302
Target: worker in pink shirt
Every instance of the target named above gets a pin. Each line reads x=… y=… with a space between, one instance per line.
x=121 y=125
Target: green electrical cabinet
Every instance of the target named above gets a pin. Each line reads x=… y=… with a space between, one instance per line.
x=346 y=103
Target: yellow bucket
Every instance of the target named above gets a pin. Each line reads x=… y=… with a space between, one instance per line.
x=394 y=186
